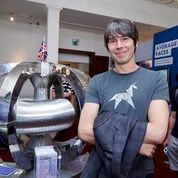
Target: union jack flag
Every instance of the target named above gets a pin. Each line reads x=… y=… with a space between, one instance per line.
x=42 y=54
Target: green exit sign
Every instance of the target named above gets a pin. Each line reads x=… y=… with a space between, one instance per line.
x=75 y=42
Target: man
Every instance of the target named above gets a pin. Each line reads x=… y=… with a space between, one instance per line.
x=171 y=141
x=127 y=89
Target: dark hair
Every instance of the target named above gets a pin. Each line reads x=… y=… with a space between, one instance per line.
x=123 y=27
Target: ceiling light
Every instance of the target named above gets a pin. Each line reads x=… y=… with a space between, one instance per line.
x=11 y=18
x=38 y=21
x=31 y=20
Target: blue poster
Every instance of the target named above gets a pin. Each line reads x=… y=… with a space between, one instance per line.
x=165 y=54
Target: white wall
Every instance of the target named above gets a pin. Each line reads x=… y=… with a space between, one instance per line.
x=88 y=41
x=20 y=42
x=74 y=58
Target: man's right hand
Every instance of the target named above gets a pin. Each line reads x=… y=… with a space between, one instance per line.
x=147 y=149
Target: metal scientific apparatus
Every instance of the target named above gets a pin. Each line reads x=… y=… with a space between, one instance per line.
x=33 y=109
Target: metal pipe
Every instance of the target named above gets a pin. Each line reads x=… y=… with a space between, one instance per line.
x=31 y=116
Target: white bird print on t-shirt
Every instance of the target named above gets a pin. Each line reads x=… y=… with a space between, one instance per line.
x=126 y=96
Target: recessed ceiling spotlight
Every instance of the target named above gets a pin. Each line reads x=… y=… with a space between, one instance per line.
x=38 y=21
x=31 y=20
x=11 y=18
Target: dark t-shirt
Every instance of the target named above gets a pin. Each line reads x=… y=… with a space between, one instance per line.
x=174 y=107
x=128 y=94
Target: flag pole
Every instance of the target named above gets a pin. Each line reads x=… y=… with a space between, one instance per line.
x=42 y=56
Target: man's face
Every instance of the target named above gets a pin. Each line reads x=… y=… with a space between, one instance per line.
x=121 y=49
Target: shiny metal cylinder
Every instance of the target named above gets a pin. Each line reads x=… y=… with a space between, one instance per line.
x=36 y=115
x=42 y=116
x=41 y=87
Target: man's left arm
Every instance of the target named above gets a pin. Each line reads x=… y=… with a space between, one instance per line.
x=158 y=115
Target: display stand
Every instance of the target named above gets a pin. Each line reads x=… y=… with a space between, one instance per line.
x=68 y=171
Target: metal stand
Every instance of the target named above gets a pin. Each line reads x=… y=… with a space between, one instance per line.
x=68 y=171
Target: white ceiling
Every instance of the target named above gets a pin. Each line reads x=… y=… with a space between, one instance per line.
x=170 y=3
x=25 y=11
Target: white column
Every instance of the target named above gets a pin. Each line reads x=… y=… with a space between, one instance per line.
x=53 y=25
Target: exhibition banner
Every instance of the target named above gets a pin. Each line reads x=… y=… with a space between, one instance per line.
x=165 y=54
